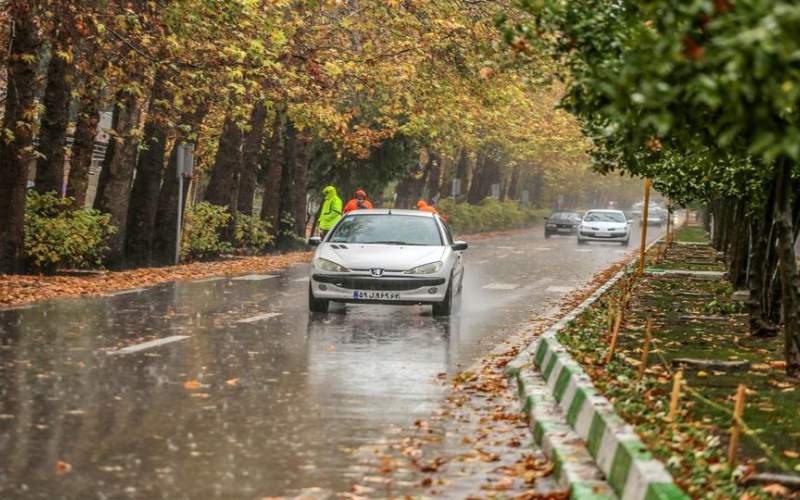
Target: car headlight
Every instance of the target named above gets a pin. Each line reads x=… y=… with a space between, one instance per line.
x=329 y=265
x=433 y=267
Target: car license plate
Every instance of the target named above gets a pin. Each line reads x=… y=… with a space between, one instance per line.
x=375 y=295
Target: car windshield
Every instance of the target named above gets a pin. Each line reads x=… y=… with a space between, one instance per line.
x=387 y=229
x=564 y=216
x=604 y=217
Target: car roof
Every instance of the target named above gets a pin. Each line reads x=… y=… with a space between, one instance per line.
x=391 y=211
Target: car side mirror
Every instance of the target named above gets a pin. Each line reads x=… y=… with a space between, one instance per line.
x=314 y=241
x=547 y=218
x=459 y=245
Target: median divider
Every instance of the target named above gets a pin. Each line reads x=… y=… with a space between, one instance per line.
x=577 y=426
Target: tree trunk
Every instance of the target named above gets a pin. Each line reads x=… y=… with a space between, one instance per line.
x=759 y=276
x=53 y=134
x=163 y=246
x=513 y=184
x=434 y=174
x=739 y=246
x=790 y=280
x=300 y=187
x=285 y=227
x=476 y=185
x=80 y=160
x=16 y=154
x=113 y=190
x=251 y=152
x=149 y=169
x=226 y=165
x=270 y=204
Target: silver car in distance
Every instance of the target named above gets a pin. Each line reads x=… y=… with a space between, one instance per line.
x=388 y=256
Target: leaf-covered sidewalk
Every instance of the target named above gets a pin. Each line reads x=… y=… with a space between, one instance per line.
x=697 y=328
x=22 y=289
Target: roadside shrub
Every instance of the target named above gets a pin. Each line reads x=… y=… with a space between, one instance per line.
x=59 y=236
x=287 y=238
x=252 y=234
x=490 y=215
x=203 y=223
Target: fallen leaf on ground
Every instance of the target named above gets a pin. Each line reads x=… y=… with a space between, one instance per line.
x=361 y=490
x=232 y=382
x=191 y=385
x=775 y=490
x=63 y=468
x=791 y=454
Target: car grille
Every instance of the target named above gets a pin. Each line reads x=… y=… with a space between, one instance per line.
x=385 y=283
x=601 y=235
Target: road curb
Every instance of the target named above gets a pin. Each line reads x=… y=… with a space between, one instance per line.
x=613 y=446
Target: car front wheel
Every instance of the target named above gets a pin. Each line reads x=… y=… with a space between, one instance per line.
x=445 y=307
x=546 y=234
x=581 y=242
x=316 y=305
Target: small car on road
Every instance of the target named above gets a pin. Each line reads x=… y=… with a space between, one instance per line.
x=604 y=225
x=388 y=256
x=561 y=223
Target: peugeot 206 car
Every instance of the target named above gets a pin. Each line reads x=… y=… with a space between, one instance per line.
x=604 y=225
x=388 y=256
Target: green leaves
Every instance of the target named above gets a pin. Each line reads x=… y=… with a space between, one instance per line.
x=59 y=236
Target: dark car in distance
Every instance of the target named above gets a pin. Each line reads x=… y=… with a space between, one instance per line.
x=561 y=223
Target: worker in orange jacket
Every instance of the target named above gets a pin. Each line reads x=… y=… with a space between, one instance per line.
x=359 y=202
x=423 y=206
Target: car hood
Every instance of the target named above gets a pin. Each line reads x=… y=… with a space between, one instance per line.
x=606 y=225
x=390 y=257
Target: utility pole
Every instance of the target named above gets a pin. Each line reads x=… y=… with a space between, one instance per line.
x=185 y=166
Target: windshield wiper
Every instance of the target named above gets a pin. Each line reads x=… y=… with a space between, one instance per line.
x=389 y=242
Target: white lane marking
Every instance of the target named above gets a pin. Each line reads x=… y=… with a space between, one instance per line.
x=500 y=286
x=480 y=262
x=259 y=317
x=125 y=292
x=585 y=250
x=207 y=280
x=505 y=248
x=255 y=277
x=302 y=280
x=147 y=345
x=543 y=249
x=559 y=289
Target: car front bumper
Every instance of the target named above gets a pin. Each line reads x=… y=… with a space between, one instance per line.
x=387 y=289
x=603 y=236
x=561 y=228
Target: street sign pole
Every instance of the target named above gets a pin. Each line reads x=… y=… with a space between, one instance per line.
x=184 y=159
x=178 y=225
x=645 y=214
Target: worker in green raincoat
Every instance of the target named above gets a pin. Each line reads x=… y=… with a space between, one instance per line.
x=331 y=210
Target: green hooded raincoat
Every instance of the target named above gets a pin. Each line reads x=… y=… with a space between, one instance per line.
x=331 y=209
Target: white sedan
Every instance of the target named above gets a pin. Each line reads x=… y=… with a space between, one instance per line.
x=388 y=256
x=604 y=225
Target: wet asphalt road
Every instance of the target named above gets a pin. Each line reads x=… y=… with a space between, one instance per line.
x=276 y=399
